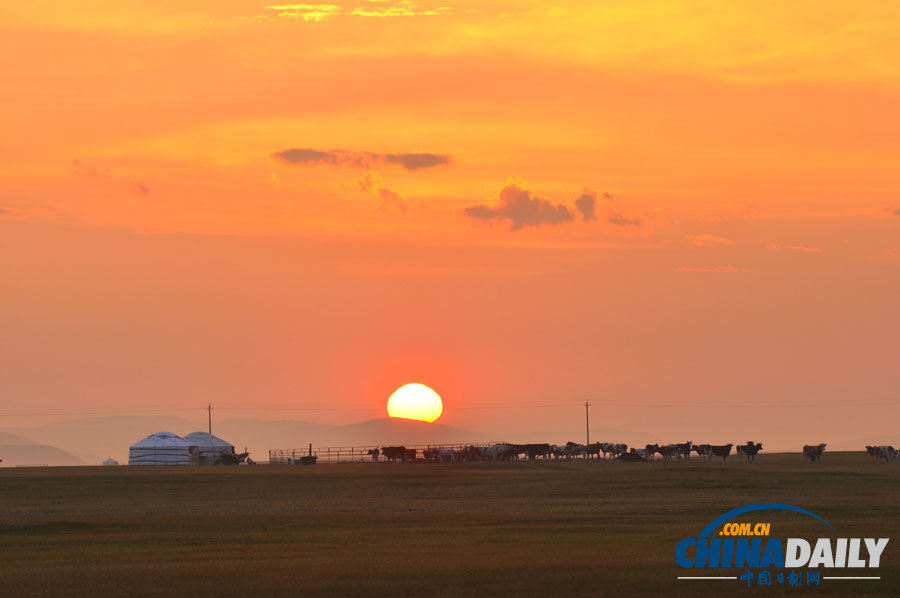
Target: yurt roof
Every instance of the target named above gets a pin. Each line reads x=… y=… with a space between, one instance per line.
x=205 y=439
x=160 y=439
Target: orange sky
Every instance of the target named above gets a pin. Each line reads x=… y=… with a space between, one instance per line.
x=737 y=237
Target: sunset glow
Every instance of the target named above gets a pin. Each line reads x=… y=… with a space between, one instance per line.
x=637 y=202
x=415 y=401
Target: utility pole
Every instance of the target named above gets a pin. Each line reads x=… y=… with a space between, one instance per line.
x=209 y=409
x=587 y=423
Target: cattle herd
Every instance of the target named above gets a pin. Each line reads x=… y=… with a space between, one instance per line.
x=567 y=452
x=598 y=450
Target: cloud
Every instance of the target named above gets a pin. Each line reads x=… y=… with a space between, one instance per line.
x=615 y=217
x=143 y=188
x=85 y=169
x=316 y=13
x=896 y=212
x=416 y=161
x=892 y=252
x=705 y=240
x=804 y=249
x=521 y=208
x=373 y=183
x=620 y=220
x=713 y=269
x=409 y=161
x=585 y=205
x=320 y=13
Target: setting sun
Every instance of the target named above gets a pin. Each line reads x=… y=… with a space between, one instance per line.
x=415 y=401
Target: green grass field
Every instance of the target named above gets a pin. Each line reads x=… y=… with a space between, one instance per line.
x=605 y=529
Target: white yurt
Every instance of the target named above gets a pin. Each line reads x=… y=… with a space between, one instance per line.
x=163 y=448
x=211 y=447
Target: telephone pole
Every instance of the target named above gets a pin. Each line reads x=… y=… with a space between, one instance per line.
x=587 y=423
x=209 y=410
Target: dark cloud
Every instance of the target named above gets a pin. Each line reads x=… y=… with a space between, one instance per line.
x=143 y=188
x=522 y=209
x=4 y=212
x=585 y=205
x=412 y=161
x=620 y=220
x=897 y=212
x=416 y=161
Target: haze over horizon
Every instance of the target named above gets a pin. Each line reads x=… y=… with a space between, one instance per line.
x=685 y=213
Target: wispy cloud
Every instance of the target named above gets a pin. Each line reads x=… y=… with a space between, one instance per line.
x=705 y=240
x=316 y=13
x=320 y=13
x=804 y=249
x=521 y=208
x=712 y=269
x=373 y=183
x=143 y=188
x=409 y=161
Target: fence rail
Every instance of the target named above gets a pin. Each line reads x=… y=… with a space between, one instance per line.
x=353 y=454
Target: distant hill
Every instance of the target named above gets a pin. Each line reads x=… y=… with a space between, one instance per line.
x=111 y=436
x=9 y=438
x=35 y=454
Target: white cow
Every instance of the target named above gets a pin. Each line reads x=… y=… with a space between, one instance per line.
x=495 y=452
x=446 y=456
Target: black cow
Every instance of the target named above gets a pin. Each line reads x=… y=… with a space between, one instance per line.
x=394 y=453
x=813 y=453
x=750 y=449
x=722 y=450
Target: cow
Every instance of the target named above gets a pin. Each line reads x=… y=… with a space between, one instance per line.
x=576 y=449
x=559 y=452
x=620 y=449
x=495 y=451
x=393 y=453
x=813 y=453
x=884 y=452
x=703 y=450
x=632 y=456
x=470 y=453
x=410 y=456
x=533 y=451
x=684 y=450
x=374 y=453
x=668 y=451
x=512 y=452
x=607 y=449
x=750 y=449
x=447 y=456
x=651 y=449
x=640 y=453
x=722 y=450
x=594 y=450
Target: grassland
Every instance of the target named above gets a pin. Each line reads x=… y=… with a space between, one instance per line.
x=604 y=529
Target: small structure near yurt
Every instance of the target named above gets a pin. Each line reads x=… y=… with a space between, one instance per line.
x=213 y=450
x=163 y=448
x=110 y=461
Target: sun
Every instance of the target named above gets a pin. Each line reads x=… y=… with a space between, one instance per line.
x=415 y=401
